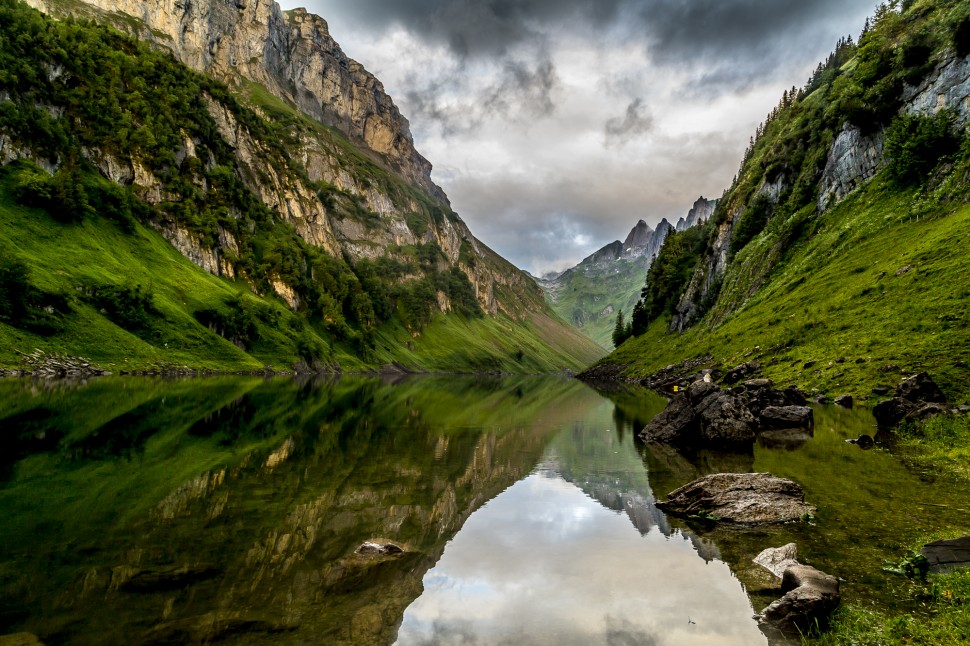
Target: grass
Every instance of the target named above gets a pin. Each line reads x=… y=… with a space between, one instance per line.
x=874 y=294
x=589 y=298
x=66 y=259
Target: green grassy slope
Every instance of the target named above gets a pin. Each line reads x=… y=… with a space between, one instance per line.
x=85 y=272
x=869 y=288
x=69 y=259
x=839 y=303
x=590 y=299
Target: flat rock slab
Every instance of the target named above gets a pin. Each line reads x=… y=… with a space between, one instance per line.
x=945 y=556
x=778 y=559
x=740 y=498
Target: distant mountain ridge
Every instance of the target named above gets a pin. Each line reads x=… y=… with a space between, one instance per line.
x=590 y=294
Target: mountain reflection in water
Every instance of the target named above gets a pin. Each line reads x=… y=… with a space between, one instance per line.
x=578 y=553
x=195 y=511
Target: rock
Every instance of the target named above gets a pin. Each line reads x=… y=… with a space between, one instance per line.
x=864 y=442
x=723 y=419
x=920 y=388
x=903 y=270
x=778 y=559
x=927 y=411
x=742 y=371
x=674 y=425
x=948 y=555
x=880 y=390
x=787 y=417
x=844 y=400
x=740 y=498
x=810 y=597
x=853 y=159
x=809 y=364
x=892 y=411
x=377 y=548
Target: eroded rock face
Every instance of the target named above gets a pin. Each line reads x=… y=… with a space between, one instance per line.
x=740 y=498
x=853 y=160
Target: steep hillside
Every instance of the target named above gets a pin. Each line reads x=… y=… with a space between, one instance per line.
x=591 y=294
x=308 y=229
x=837 y=258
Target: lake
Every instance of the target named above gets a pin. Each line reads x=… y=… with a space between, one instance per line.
x=232 y=510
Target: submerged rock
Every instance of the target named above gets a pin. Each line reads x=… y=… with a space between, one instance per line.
x=810 y=597
x=20 y=639
x=740 y=498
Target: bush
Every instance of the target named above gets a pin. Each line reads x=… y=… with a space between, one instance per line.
x=915 y=144
x=131 y=307
x=236 y=323
x=751 y=223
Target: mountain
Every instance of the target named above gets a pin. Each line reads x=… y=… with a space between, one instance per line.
x=307 y=228
x=836 y=258
x=590 y=294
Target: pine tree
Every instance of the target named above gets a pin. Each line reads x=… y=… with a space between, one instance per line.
x=619 y=332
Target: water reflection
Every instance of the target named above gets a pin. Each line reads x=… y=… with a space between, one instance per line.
x=578 y=553
x=229 y=510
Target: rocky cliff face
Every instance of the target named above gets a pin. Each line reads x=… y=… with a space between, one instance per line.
x=291 y=53
x=700 y=212
x=855 y=158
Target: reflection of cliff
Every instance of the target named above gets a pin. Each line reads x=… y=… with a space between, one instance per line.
x=257 y=545
x=606 y=465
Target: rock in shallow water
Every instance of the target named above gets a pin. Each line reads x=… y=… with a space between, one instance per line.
x=740 y=498
x=778 y=559
x=810 y=597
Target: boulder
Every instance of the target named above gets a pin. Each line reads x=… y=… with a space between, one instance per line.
x=378 y=548
x=920 y=388
x=892 y=411
x=703 y=416
x=810 y=597
x=844 y=401
x=927 y=411
x=740 y=498
x=944 y=556
x=787 y=417
x=741 y=372
x=674 y=425
x=778 y=559
x=723 y=419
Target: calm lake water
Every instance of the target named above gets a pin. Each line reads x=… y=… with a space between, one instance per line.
x=230 y=510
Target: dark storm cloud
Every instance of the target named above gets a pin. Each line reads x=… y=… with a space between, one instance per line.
x=473 y=27
x=636 y=121
x=747 y=31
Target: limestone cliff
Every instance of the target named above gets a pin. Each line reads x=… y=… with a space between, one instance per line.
x=290 y=53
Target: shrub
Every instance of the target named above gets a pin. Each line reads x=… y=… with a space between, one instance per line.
x=915 y=144
x=131 y=307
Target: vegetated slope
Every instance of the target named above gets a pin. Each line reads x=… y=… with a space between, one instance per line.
x=297 y=243
x=838 y=256
x=603 y=289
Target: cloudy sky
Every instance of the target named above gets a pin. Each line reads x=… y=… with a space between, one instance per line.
x=554 y=125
